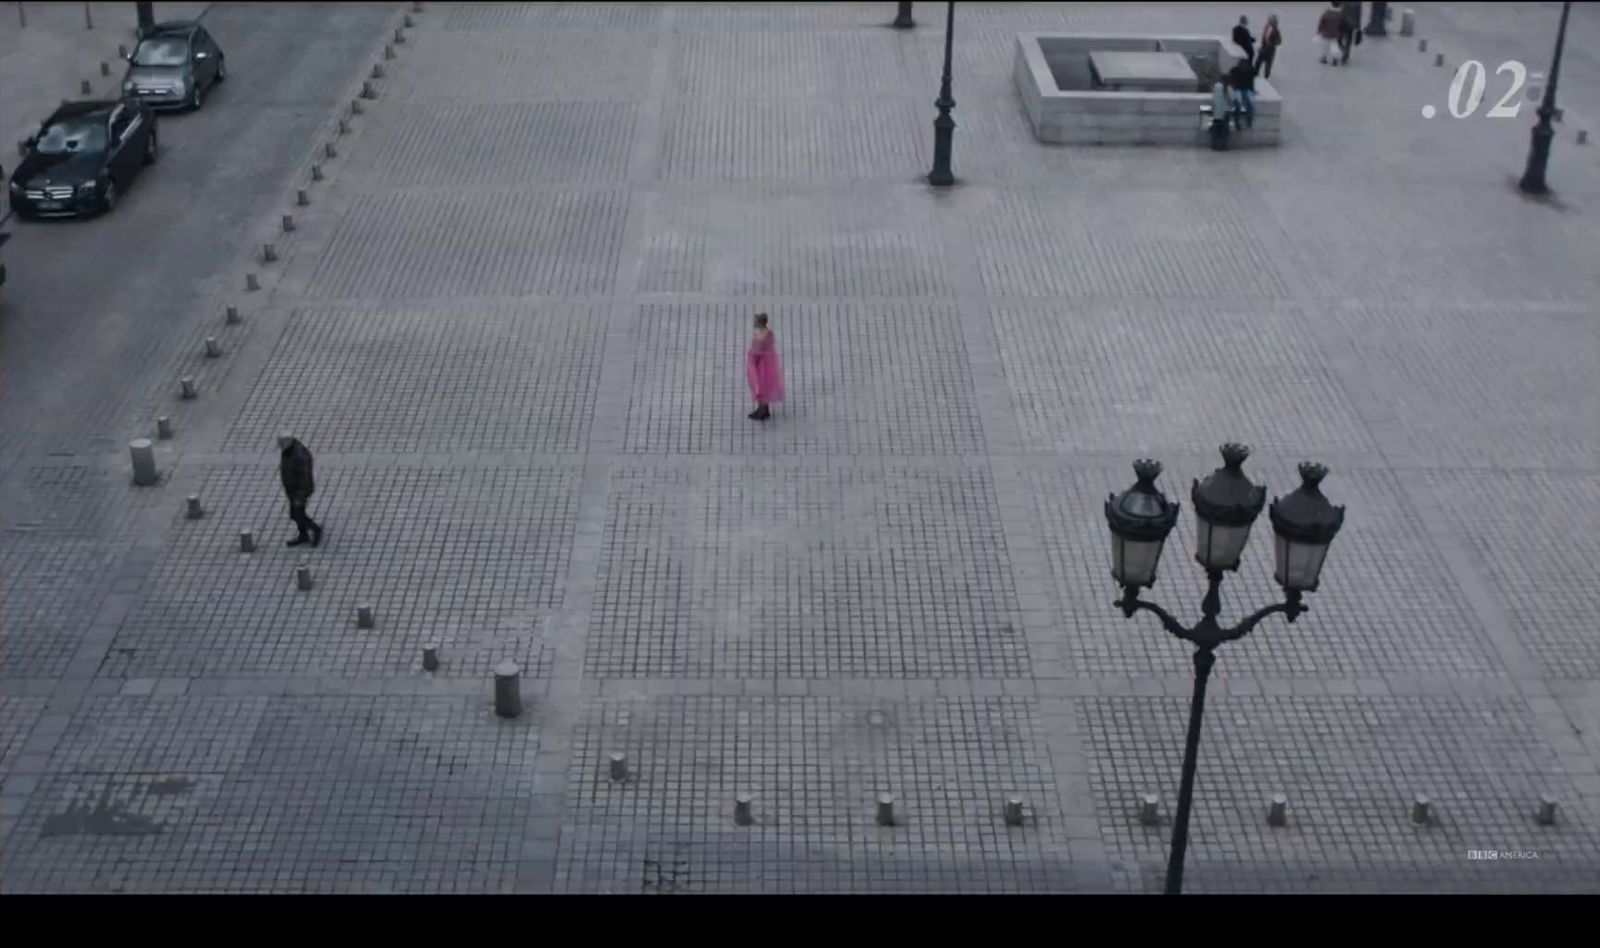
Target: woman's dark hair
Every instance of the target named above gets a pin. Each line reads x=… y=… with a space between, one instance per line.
x=761 y=319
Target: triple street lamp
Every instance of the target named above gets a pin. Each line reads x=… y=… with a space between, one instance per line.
x=1539 y=151
x=1226 y=503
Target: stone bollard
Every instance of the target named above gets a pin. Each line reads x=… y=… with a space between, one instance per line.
x=619 y=766
x=86 y=87
x=1547 y=811
x=1150 y=809
x=367 y=91
x=377 y=70
x=885 y=815
x=1408 y=22
x=144 y=462
x=247 y=541
x=302 y=577
x=288 y=223
x=1277 y=811
x=269 y=253
x=186 y=388
x=163 y=427
x=329 y=150
x=195 y=510
x=1422 y=46
x=356 y=108
x=902 y=17
x=344 y=127
x=122 y=51
x=231 y=315
x=400 y=37
x=316 y=172
x=213 y=347
x=507 y=689
x=1419 y=810
x=430 y=658
x=409 y=21
x=416 y=6
x=388 y=51
x=1438 y=59
x=741 y=810
x=251 y=283
x=1583 y=136
x=302 y=197
x=105 y=68
x=22 y=149
x=1014 y=812
x=364 y=616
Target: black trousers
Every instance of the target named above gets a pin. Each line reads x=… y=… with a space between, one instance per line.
x=1264 y=63
x=302 y=520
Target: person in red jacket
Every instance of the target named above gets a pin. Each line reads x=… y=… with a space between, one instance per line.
x=1271 y=38
x=1328 y=26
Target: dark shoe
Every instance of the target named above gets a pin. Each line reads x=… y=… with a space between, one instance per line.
x=316 y=536
x=297 y=541
x=755 y=415
x=763 y=413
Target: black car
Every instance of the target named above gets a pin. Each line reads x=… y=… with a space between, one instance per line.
x=174 y=65
x=82 y=158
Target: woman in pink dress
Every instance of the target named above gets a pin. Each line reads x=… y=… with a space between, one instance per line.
x=763 y=370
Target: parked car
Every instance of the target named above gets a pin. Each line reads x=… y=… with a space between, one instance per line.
x=82 y=158
x=175 y=64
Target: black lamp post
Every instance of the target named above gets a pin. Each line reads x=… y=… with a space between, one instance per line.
x=1539 y=151
x=147 y=16
x=902 y=17
x=1225 y=504
x=1378 y=25
x=944 y=126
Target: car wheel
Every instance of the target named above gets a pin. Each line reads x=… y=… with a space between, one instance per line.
x=195 y=100
x=151 y=149
x=110 y=199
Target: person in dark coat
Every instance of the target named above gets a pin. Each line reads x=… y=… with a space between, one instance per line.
x=1328 y=33
x=1243 y=39
x=295 y=468
x=1242 y=80
x=1271 y=39
x=1349 y=28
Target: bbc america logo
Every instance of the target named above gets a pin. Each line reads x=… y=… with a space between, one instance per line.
x=1501 y=854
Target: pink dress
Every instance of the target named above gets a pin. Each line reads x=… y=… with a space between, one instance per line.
x=763 y=370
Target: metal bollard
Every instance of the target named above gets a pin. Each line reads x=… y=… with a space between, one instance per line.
x=186 y=388
x=1438 y=59
x=1408 y=22
x=269 y=253
x=344 y=127
x=409 y=21
x=377 y=70
x=247 y=541
x=302 y=197
x=316 y=172
x=507 y=689
x=1422 y=46
x=430 y=658
x=1149 y=809
x=356 y=108
x=251 y=283
x=367 y=91
x=1419 y=810
x=329 y=150
x=364 y=616
x=1583 y=136
x=213 y=347
x=231 y=315
x=1014 y=812
x=288 y=223
x=122 y=50
x=86 y=87
x=163 y=427
x=1277 y=811
x=1547 y=811
x=619 y=766
x=195 y=510
x=885 y=814
x=105 y=68
x=902 y=17
x=388 y=51
x=302 y=577
x=741 y=810
x=144 y=462
x=400 y=37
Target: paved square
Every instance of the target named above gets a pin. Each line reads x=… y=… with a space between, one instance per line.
x=511 y=322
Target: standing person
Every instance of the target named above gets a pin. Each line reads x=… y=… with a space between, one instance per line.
x=1349 y=28
x=1243 y=39
x=294 y=467
x=1270 y=39
x=1219 y=114
x=763 y=370
x=1242 y=79
x=1328 y=33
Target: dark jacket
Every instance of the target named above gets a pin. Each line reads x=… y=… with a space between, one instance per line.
x=295 y=469
x=1242 y=76
x=1270 y=38
x=1352 y=14
x=1328 y=24
x=1243 y=39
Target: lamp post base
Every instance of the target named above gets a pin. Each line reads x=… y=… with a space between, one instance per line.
x=944 y=128
x=1533 y=177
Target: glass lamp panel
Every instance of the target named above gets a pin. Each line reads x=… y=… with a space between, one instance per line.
x=1133 y=562
x=1299 y=564
x=1219 y=547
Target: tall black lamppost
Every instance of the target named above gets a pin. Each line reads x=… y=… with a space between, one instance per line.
x=902 y=17
x=1539 y=151
x=1225 y=506
x=944 y=126
x=1378 y=25
x=147 y=16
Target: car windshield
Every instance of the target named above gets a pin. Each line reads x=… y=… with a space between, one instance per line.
x=161 y=51
x=73 y=137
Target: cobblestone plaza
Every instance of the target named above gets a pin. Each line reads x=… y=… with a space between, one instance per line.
x=510 y=323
